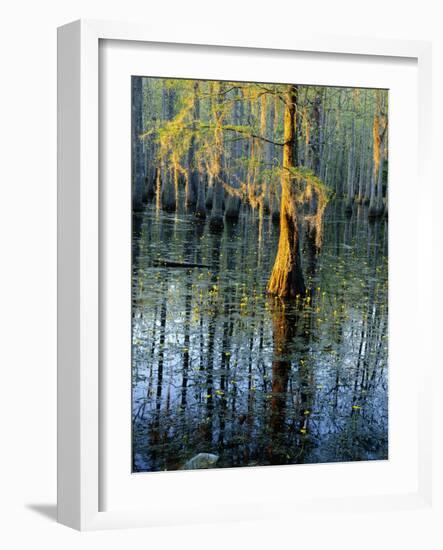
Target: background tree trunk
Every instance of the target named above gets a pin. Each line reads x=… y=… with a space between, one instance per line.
x=233 y=202
x=216 y=220
x=192 y=180
x=351 y=170
x=138 y=172
x=167 y=178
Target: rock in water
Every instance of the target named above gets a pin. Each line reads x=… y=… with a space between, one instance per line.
x=202 y=460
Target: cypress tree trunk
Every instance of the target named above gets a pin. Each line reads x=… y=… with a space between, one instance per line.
x=150 y=168
x=269 y=155
x=362 y=162
x=200 y=208
x=379 y=131
x=216 y=220
x=209 y=192
x=167 y=176
x=192 y=181
x=275 y=205
x=317 y=147
x=315 y=133
x=351 y=171
x=168 y=194
x=232 y=208
x=372 y=207
x=361 y=174
x=327 y=149
x=368 y=185
x=287 y=277
x=138 y=172
x=379 y=198
x=233 y=202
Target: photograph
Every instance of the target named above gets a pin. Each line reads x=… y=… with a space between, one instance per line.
x=259 y=280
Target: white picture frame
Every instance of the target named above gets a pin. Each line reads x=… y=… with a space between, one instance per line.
x=80 y=414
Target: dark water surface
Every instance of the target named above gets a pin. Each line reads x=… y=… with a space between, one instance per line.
x=220 y=367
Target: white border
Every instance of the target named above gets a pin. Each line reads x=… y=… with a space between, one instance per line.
x=78 y=269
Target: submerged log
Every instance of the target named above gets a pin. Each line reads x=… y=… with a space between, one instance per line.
x=168 y=263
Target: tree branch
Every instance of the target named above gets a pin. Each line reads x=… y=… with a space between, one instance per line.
x=240 y=131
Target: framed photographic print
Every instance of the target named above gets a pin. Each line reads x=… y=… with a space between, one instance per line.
x=259 y=323
x=233 y=277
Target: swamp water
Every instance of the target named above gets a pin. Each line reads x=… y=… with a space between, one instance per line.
x=220 y=367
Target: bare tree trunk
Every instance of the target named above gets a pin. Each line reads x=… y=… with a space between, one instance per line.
x=372 y=207
x=192 y=180
x=138 y=172
x=287 y=277
x=167 y=197
x=315 y=134
x=209 y=192
x=361 y=175
x=378 y=131
x=363 y=150
x=149 y=145
x=216 y=220
x=233 y=203
x=369 y=176
x=269 y=155
x=351 y=171
x=379 y=198
x=200 y=209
